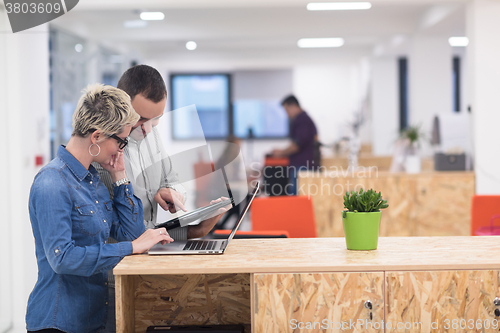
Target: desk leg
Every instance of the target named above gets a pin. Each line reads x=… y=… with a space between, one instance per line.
x=254 y=304
x=125 y=303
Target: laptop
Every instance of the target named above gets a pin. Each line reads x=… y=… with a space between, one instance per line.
x=203 y=246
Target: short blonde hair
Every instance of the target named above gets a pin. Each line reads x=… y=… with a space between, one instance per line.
x=104 y=108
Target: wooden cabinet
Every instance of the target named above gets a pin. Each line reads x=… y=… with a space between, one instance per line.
x=425 y=204
x=414 y=302
x=311 y=302
x=441 y=301
x=284 y=285
x=194 y=299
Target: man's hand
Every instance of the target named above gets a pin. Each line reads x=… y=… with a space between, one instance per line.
x=204 y=227
x=170 y=200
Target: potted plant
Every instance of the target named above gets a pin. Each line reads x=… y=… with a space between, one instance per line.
x=411 y=137
x=362 y=219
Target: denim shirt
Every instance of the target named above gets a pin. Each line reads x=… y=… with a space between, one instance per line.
x=72 y=217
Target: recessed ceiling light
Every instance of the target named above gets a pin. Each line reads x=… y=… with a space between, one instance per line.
x=152 y=16
x=320 y=42
x=191 y=46
x=135 y=24
x=458 y=41
x=78 y=48
x=338 y=5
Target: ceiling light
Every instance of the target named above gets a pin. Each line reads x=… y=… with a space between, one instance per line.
x=152 y=16
x=338 y=5
x=78 y=48
x=191 y=46
x=135 y=24
x=458 y=41
x=320 y=42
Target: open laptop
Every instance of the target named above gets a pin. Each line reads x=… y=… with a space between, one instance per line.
x=204 y=246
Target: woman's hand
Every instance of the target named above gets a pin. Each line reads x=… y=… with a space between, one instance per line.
x=115 y=167
x=149 y=238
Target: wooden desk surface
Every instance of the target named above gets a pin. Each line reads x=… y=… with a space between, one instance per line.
x=326 y=255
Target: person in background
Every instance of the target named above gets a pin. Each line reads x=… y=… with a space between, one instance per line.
x=303 y=152
x=72 y=217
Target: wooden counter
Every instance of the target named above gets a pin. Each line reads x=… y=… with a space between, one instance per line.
x=271 y=282
x=425 y=204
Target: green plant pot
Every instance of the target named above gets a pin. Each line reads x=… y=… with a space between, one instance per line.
x=361 y=230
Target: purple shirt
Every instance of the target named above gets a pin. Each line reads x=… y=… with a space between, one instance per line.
x=302 y=133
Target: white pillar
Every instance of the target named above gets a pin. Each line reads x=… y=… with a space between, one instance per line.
x=385 y=104
x=430 y=81
x=24 y=110
x=483 y=54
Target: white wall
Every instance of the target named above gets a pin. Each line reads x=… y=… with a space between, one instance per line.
x=329 y=96
x=483 y=55
x=24 y=107
x=5 y=244
x=385 y=104
x=430 y=81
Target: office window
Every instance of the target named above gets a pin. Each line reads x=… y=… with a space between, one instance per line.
x=456 y=84
x=210 y=93
x=264 y=118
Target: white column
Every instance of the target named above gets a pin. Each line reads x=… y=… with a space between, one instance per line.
x=483 y=54
x=430 y=81
x=385 y=105
x=24 y=110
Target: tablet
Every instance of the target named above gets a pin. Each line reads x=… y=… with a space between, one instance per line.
x=199 y=213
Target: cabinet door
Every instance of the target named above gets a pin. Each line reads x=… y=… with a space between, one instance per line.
x=314 y=302
x=443 y=301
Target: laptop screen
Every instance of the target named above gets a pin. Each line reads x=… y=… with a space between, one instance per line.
x=249 y=202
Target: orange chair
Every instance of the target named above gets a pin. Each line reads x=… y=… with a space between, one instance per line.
x=482 y=209
x=292 y=213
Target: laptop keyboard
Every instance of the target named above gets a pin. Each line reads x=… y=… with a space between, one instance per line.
x=200 y=245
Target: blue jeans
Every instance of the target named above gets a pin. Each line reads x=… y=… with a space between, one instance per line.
x=111 y=319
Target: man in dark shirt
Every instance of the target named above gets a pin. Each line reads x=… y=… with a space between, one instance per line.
x=303 y=152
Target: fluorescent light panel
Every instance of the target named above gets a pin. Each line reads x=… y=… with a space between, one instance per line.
x=152 y=16
x=320 y=42
x=338 y=5
x=458 y=41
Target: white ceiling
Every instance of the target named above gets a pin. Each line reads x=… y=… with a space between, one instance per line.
x=254 y=28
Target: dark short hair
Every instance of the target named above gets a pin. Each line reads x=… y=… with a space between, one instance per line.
x=290 y=100
x=145 y=80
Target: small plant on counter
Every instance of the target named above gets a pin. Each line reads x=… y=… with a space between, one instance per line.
x=361 y=220
x=364 y=202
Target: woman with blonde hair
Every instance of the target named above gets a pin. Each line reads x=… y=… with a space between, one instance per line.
x=72 y=217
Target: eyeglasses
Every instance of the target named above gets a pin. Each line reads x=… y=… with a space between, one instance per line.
x=122 y=142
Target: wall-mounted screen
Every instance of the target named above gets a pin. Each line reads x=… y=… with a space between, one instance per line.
x=265 y=118
x=210 y=94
